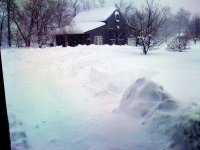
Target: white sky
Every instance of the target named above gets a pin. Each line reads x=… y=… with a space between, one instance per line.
x=192 y=5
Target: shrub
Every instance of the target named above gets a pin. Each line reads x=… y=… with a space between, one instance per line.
x=179 y=43
x=186 y=133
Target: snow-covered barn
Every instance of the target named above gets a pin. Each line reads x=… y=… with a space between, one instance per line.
x=98 y=26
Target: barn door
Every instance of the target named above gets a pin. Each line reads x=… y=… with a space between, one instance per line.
x=60 y=40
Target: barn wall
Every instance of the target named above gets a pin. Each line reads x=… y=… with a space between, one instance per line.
x=61 y=40
x=76 y=39
x=109 y=30
x=112 y=25
x=102 y=31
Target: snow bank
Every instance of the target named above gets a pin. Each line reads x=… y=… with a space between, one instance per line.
x=162 y=115
x=65 y=97
x=144 y=96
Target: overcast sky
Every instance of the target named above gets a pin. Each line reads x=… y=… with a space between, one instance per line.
x=191 y=5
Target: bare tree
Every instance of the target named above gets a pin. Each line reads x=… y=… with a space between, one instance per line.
x=2 y=18
x=84 y=5
x=74 y=4
x=5 y=20
x=45 y=10
x=168 y=27
x=146 y=21
x=63 y=14
x=8 y=2
x=101 y=3
x=88 y=4
x=25 y=19
x=182 y=20
x=194 y=28
x=124 y=7
x=1 y=27
x=33 y=18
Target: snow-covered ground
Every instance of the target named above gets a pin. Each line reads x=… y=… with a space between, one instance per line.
x=99 y=97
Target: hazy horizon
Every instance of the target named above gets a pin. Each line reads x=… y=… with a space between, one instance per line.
x=191 y=5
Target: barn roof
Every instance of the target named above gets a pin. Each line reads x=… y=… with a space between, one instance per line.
x=86 y=21
x=95 y=15
x=79 y=28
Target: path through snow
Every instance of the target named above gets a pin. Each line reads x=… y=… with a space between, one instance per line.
x=67 y=98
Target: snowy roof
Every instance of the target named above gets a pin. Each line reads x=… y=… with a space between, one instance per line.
x=86 y=21
x=78 y=28
x=99 y=14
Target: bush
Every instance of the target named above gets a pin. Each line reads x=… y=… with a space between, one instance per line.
x=179 y=43
x=187 y=136
x=186 y=133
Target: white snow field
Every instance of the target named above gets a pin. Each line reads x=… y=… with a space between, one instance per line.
x=100 y=97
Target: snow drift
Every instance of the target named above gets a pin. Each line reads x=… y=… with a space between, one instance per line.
x=144 y=96
x=63 y=98
x=159 y=111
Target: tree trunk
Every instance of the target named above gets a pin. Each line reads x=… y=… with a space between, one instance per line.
x=28 y=42
x=149 y=42
x=40 y=41
x=144 y=49
x=8 y=19
x=1 y=29
x=17 y=39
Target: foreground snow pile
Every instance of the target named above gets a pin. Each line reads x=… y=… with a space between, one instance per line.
x=145 y=96
x=101 y=97
x=161 y=113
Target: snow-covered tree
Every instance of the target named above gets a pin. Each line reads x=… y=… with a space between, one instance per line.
x=181 y=38
x=146 y=21
x=179 y=43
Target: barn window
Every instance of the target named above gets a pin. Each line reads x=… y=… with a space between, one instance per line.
x=98 y=40
x=112 y=41
x=117 y=17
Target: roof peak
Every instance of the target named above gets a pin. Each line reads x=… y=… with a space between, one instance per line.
x=95 y=15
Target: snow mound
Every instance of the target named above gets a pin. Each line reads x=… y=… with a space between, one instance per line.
x=144 y=96
x=162 y=115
